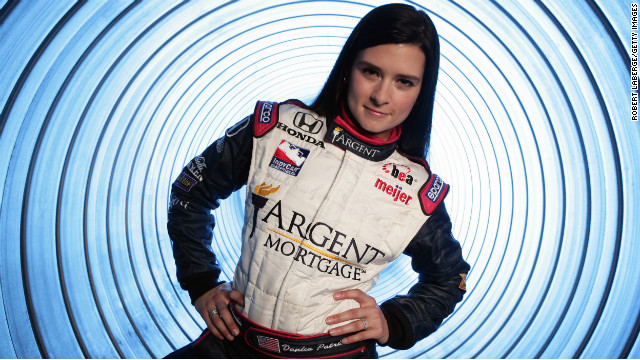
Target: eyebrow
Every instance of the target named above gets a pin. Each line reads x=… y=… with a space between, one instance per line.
x=376 y=68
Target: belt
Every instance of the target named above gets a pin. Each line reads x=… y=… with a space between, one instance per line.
x=281 y=344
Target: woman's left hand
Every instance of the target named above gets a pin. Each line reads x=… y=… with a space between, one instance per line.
x=368 y=313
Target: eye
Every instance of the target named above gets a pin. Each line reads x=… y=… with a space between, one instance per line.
x=369 y=72
x=406 y=83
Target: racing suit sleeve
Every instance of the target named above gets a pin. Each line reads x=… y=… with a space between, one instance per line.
x=437 y=258
x=222 y=168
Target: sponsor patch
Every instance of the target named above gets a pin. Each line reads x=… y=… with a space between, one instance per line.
x=306 y=122
x=317 y=245
x=196 y=166
x=265 y=190
x=343 y=139
x=432 y=193
x=394 y=192
x=176 y=201
x=289 y=158
x=266 y=117
x=435 y=189
x=259 y=200
x=300 y=135
x=185 y=182
x=400 y=172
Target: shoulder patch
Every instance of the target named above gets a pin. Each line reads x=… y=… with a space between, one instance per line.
x=265 y=117
x=432 y=193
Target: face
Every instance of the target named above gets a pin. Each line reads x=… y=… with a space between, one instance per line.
x=384 y=85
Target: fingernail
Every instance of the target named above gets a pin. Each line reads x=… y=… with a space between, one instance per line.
x=230 y=337
x=236 y=332
x=329 y=320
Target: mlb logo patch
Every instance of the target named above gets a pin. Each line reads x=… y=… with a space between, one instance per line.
x=289 y=158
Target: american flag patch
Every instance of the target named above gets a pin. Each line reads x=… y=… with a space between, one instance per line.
x=269 y=343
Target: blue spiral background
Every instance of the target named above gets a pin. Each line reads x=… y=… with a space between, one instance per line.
x=103 y=102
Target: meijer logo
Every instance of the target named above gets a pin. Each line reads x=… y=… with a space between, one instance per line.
x=395 y=192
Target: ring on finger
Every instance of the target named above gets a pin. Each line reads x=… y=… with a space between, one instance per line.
x=212 y=313
x=365 y=323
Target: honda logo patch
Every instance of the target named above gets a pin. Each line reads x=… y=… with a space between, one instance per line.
x=306 y=122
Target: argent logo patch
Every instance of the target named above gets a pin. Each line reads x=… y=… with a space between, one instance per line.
x=343 y=139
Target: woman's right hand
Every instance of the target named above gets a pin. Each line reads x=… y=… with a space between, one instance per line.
x=214 y=302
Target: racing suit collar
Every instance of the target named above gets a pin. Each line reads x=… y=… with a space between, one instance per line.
x=343 y=133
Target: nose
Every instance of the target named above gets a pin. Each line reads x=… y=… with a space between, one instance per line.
x=381 y=93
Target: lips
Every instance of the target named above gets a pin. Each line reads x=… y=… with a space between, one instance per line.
x=374 y=113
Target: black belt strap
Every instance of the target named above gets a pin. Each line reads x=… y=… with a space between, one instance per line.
x=280 y=344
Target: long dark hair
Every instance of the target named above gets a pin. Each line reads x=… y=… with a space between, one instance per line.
x=389 y=24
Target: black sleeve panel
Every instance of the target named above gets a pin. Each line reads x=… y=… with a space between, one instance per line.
x=437 y=257
x=213 y=175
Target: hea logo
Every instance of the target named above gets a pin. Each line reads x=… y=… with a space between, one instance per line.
x=400 y=172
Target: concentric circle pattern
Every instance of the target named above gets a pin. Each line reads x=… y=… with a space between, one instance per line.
x=103 y=102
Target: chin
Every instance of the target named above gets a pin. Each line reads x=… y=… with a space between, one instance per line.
x=371 y=129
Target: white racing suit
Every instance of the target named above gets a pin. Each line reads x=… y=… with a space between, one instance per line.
x=326 y=211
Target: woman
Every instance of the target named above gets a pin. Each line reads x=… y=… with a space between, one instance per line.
x=336 y=191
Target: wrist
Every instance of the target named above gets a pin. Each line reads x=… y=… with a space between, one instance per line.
x=197 y=289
